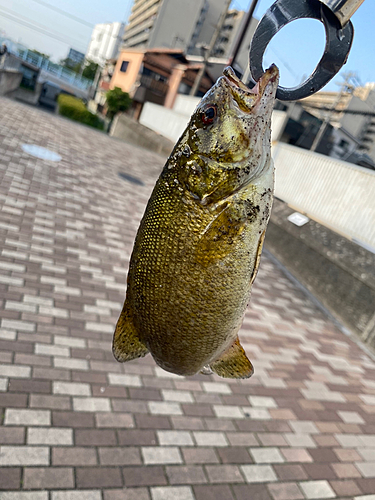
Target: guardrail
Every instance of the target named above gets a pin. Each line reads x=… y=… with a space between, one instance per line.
x=65 y=74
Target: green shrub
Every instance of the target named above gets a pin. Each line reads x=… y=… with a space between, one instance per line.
x=117 y=100
x=74 y=108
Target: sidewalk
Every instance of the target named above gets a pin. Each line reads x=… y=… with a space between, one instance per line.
x=75 y=424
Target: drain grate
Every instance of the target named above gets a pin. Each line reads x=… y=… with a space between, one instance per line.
x=130 y=178
x=39 y=152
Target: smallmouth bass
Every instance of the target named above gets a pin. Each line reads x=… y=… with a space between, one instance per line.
x=198 y=247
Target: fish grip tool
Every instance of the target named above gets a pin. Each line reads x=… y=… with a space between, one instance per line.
x=335 y=16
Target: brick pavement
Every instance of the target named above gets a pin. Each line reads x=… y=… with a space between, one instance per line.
x=75 y=424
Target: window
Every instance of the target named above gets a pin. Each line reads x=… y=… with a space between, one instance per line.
x=124 y=66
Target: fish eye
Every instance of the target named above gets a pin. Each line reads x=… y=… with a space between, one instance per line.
x=209 y=114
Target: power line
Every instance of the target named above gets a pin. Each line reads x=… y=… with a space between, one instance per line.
x=64 y=13
x=40 y=28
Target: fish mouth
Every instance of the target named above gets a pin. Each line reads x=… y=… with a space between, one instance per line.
x=246 y=97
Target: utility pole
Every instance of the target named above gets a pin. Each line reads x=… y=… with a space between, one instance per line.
x=210 y=49
x=344 y=88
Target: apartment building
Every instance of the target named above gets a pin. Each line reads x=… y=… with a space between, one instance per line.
x=105 y=42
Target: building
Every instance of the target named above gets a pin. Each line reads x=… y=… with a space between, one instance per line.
x=105 y=42
x=153 y=75
x=353 y=121
x=76 y=57
x=229 y=33
x=156 y=23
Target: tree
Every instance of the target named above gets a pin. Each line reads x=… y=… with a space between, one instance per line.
x=34 y=51
x=117 y=100
x=72 y=65
x=90 y=69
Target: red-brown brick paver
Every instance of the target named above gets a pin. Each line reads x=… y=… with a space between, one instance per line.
x=72 y=419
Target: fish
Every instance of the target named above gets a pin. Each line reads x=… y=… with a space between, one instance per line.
x=198 y=246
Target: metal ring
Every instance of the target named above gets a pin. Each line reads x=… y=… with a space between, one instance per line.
x=338 y=44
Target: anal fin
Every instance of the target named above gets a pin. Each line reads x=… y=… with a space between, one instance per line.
x=126 y=343
x=233 y=363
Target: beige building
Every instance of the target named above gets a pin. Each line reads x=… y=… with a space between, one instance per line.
x=151 y=75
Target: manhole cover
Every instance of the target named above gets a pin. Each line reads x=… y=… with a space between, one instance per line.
x=39 y=152
x=130 y=178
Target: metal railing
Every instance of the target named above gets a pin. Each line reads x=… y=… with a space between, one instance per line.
x=45 y=65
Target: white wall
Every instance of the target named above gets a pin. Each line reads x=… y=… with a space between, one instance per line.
x=105 y=42
x=335 y=193
x=163 y=120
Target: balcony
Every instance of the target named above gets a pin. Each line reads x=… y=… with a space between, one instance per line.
x=151 y=90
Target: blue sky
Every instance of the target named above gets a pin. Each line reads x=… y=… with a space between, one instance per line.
x=296 y=49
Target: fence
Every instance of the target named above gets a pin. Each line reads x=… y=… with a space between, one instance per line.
x=65 y=74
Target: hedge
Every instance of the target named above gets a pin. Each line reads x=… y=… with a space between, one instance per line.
x=74 y=108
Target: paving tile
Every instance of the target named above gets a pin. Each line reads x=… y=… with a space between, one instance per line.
x=48 y=478
x=116 y=420
x=27 y=417
x=24 y=495
x=176 y=438
x=199 y=455
x=296 y=455
x=24 y=455
x=120 y=456
x=49 y=436
x=144 y=476
x=94 y=437
x=285 y=491
x=251 y=491
x=164 y=408
x=77 y=495
x=91 y=404
x=172 y=493
x=10 y=479
x=266 y=455
x=74 y=456
x=12 y=435
x=345 y=488
x=98 y=477
x=186 y=474
x=166 y=455
x=234 y=455
x=224 y=474
x=367 y=469
x=346 y=470
x=317 y=489
x=290 y=472
x=71 y=388
x=127 y=494
x=258 y=473
x=213 y=492
x=347 y=455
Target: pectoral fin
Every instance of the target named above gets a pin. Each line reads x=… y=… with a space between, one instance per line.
x=126 y=343
x=233 y=363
